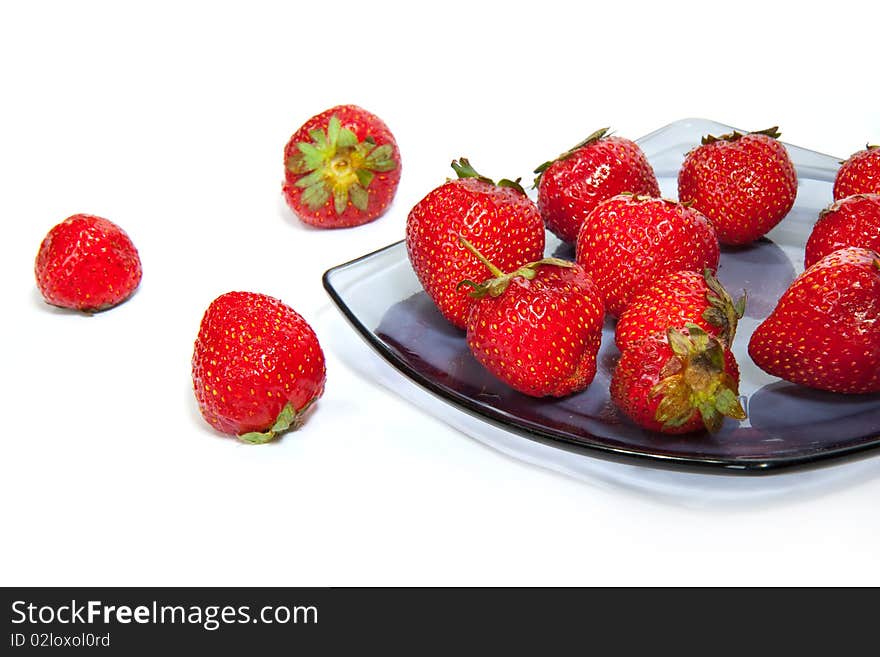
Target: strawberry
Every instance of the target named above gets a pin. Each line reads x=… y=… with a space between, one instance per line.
x=677 y=381
x=257 y=366
x=598 y=168
x=87 y=263
x=498 y=219
x=860 y=174
x=627 y=242
x=676 y=299
x=744 y=183
x=538 y=328
x=851 y=221
x=825 y=331
x=342 y=168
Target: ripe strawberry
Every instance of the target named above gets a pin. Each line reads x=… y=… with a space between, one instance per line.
x=538 y=328
x=257 y=366
x=499 y=220
x=678 y=381
x=860 y=174
x=627 y=242
x=677 y=299
x=825 y=330
x=342 y=168
x=744 y=183
x=851 y=221
x=598 y=168
x=87 y=263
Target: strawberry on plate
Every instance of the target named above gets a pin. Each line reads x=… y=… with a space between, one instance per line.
x=87 y=263
x=677 y=299
x=744 y=183
x=598 y=168
x=859 y=174
x=257 y=366
x=627 y=242
x=851 y=221
x=342 y=168
x=498 y=219
x=537 y=328
x=677 y=381
x=825 y=331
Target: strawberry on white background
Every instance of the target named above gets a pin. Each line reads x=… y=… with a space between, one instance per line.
x=171 y=118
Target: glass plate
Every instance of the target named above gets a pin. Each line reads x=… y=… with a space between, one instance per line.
x=789 y=426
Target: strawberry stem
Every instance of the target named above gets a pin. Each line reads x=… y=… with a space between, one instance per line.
x=289 y=419
x=464 y=169
x=596 y=136
x=479 y=256
x=496 y=286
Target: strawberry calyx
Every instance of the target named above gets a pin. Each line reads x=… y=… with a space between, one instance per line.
x=695 y=379
x=289 y=419
x=772 y=132
x=836 y=205
x=500 y=281
x=464 y=169
x=723 y=311
x=643 y=198
x=338 y=166
x=596 y=136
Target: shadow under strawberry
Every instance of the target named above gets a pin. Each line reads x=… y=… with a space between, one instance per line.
x=762 y=269
x=433 y=351
x=796 y=418
x=564 y=251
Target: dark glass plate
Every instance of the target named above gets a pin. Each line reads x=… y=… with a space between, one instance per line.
x=789 y=426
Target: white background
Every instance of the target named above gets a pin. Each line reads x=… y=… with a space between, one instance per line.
x=170 y=119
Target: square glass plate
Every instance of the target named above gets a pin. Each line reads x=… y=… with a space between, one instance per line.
x=789 y=426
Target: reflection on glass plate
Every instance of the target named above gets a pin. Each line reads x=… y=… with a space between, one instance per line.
x=789 y=427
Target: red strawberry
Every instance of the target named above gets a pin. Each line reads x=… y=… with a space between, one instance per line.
x=257 y=366
x=851 y=221
x=87 y=263
x=825 y=330
x=627 y=242
x=744 y=183
x=677 y=382
x=860 y=174
x=677 y=299
x=538 y=329
x=578 y=180
x=499 y=220
x=342 y=168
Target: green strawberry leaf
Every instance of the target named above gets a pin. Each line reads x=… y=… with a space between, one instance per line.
x=512 y=184
x=333 y=128
x=312 y=156
x=365 y=177
x=727 y=403
x=314 y=178
x=340 y=199
x=359 y=197
x=316 y=196
x=711 y=417
x=381 y=159
x=319 y=137
x=346 y=139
